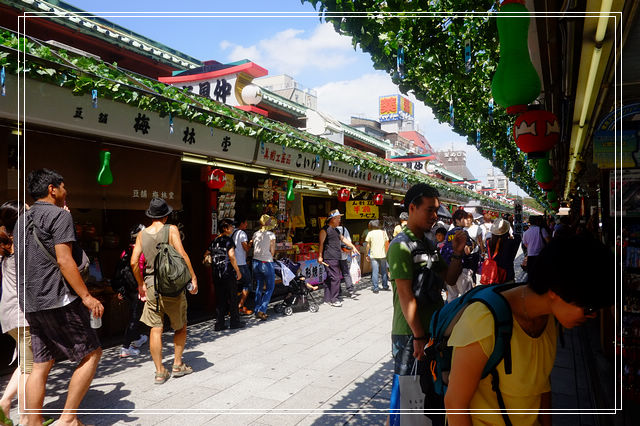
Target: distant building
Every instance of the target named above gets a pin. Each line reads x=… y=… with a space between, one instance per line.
x=396 y=114
x=456 y=162
x=498 y=181
x=290 y=89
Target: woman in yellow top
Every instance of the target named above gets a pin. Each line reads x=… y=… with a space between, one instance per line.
x=563 y=288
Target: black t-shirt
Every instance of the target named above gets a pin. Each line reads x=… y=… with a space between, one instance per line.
x=225 y=243
x=44 y=284
x=331 y=249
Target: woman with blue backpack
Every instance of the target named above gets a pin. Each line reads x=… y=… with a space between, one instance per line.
x=503 y=346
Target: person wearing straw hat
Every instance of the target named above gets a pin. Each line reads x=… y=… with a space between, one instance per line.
x=174 y=307
x=264 y=248
x=331 y=254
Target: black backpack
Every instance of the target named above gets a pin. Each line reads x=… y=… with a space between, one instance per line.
x=123 y=281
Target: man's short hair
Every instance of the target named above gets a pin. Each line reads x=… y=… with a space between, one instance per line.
x=441 y=230
x=240 y=219
x=417 y=192
x=224 y=224
x=39 y=180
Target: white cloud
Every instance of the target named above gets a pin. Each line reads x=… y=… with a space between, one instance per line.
x=290 y=52
x=359 y=97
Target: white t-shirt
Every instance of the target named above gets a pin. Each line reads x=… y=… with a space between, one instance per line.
x=486 y=230
x=473 y=232
x=239 y=237
x=262 y=245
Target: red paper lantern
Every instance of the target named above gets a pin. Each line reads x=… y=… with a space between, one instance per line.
x=378 y=199
x=216 y=179
x=547 y=186
x=536 y=131
x=343 y=195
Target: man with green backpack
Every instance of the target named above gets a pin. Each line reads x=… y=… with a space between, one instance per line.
x=167 y=274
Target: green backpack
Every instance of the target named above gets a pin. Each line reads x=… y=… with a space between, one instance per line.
x=171 y=273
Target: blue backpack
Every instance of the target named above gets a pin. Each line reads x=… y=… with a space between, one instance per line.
x=439 y=354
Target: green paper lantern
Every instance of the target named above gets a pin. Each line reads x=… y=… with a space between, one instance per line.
x=552 y=196
x=544 y=172
x=290 y=194
x=105 y=177
x=515 y=83
x=555 y=205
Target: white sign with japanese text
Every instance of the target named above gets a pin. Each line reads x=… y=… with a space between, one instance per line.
x=280 y=157
x=348 y=173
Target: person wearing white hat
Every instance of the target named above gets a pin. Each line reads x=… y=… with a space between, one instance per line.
x=503 y=246
x=331 y=254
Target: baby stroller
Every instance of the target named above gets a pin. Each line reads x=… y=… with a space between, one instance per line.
x=299 y=298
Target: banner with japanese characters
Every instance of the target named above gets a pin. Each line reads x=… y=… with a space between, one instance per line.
x=341 y=171
x=361 y=209
x=57 y=107
x=280 y=157
x=313 y=271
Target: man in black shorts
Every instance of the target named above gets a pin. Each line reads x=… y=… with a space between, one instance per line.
x=56 y=301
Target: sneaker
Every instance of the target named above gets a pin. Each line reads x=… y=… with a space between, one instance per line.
x=336 y=304
x=141 y=341
x=376 y=291
x=386 y=289
x=130 y=351
x=219 y=326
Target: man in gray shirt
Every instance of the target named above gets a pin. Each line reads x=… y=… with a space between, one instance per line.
x=57 y=302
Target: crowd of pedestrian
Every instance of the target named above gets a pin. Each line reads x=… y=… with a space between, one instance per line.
x=430 y=265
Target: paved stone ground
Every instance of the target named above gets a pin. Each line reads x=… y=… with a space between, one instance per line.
x=301 y=366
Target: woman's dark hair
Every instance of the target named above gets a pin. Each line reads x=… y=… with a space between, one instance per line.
x=459 y=214
x=39 y=180
x=579 y=269
x=225 y=224
x=441 y=230
x=9 y=213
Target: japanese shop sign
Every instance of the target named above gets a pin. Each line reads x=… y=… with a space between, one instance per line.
x=57 y=107
x=313 y=271
x=280 y=157
x=361 y=209
x=348 y=173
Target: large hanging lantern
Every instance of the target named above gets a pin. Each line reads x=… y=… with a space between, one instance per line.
x=536 y=131
x=515 y=83
x=290 y=194
x=552 y=196
x=216 y=179
x=555 y=205
x=544 y=172
x=105 y=177
x=343 y=195
x=378 y=199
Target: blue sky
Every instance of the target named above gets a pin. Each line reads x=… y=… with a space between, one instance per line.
x=300 y=46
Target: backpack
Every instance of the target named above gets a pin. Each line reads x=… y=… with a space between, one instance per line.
x=171 y=273
x=123 y=281
x=438 y=353
x=219 y=259
x=426 y=283
x=491 y=272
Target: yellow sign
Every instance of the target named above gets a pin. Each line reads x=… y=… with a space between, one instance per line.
x=230 y=186
x=362 y=209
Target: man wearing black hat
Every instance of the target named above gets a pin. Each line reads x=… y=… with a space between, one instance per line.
x=409 y=331
x=175 y=307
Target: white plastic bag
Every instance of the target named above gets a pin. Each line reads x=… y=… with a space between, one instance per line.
x=354 y=270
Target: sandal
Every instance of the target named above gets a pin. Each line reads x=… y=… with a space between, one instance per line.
x=161 y=377
x=181 y=370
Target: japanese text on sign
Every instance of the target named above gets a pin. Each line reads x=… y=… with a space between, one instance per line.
x=361 y=209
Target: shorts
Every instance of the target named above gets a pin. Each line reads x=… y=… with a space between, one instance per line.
x=174 y=307
x=62 y=333
x=22 y=336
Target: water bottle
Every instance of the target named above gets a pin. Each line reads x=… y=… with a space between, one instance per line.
x=96 y=322
x=190 y=287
